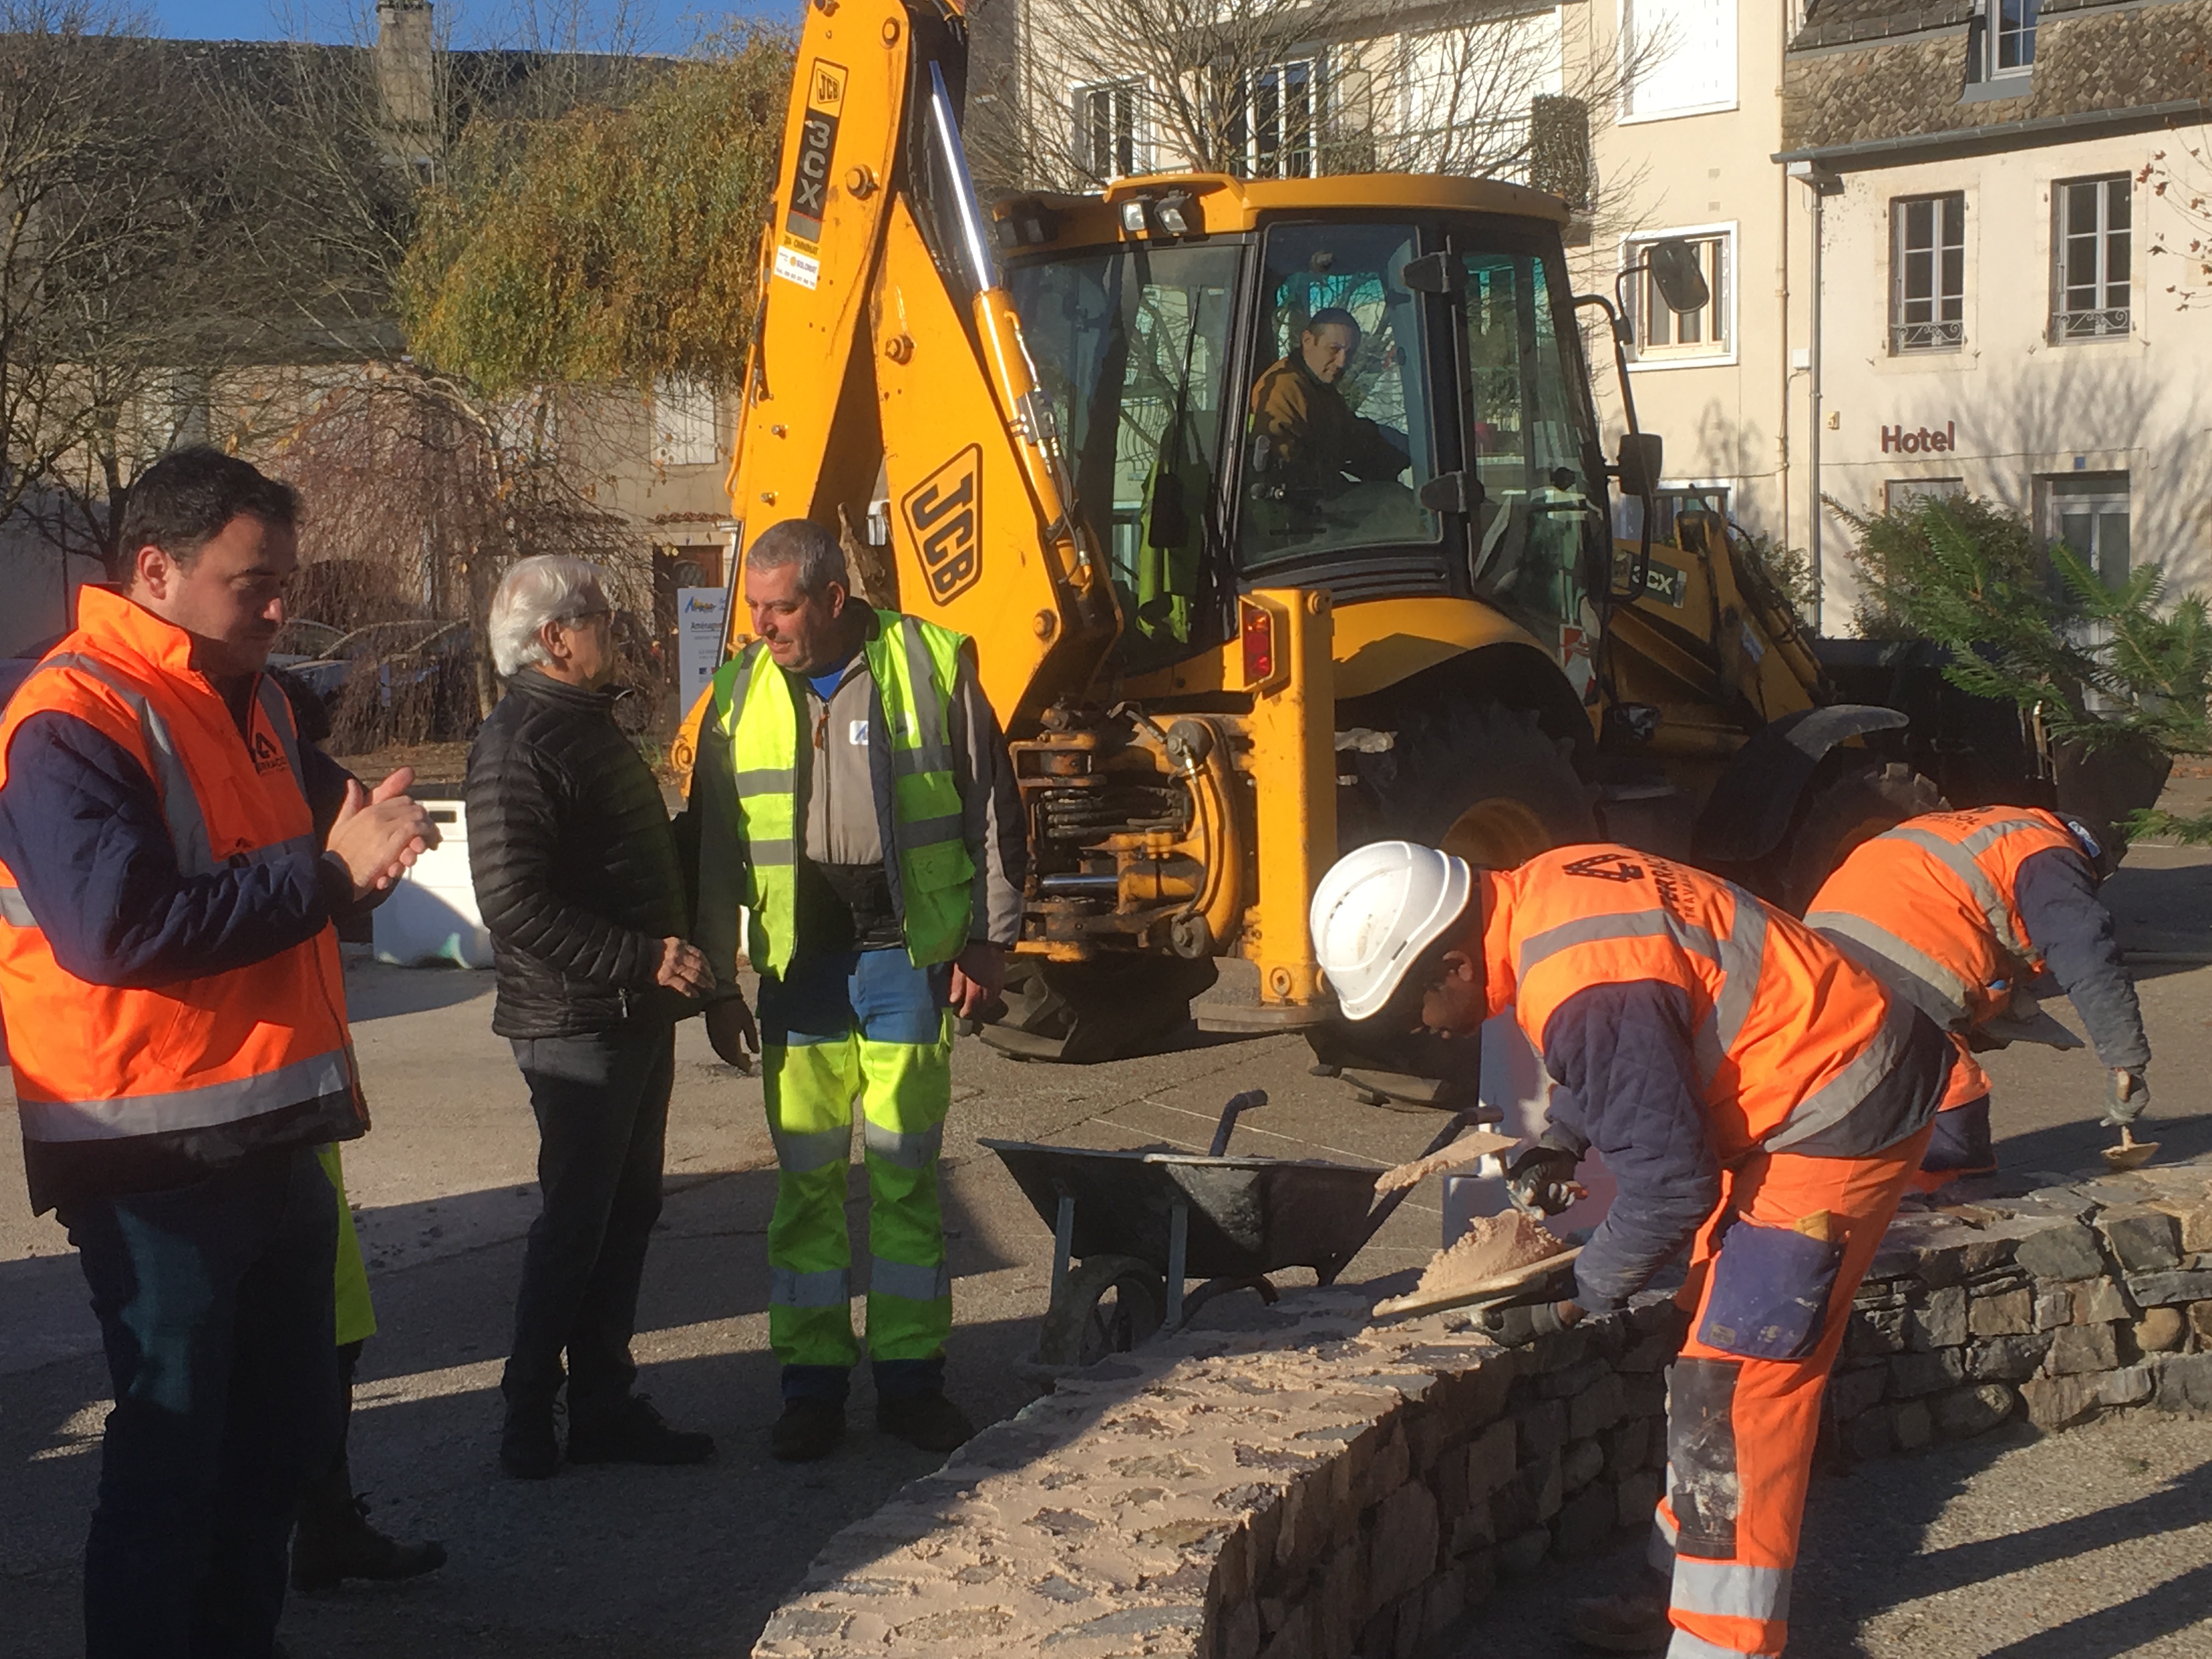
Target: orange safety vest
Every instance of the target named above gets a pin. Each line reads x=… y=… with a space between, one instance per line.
x=115 y=1065
x=1789 y=1035
x=1932 y=908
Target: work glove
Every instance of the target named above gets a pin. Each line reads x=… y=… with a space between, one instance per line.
x=2126 y=1097
x=1542 y=1179
x=1519 y=1323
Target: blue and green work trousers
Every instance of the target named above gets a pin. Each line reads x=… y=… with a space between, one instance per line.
x=869 y=1027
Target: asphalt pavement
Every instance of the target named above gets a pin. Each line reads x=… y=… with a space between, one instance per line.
x=2091 y=1543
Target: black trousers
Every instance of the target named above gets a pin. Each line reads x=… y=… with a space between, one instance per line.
x=601 y=1102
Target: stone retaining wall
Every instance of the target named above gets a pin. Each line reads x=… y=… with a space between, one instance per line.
x=1307 y=1486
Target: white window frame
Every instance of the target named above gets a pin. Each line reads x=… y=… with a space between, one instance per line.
x=1537 y=69
x=1624 y=46
x=1131 y=93
x=1994 y=35
x=2102 y=321
x=686 y=423
x=1705 y=353
x=1315 y=64
x=1898 y=327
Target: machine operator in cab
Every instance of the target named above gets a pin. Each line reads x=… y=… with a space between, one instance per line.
x=1316 y=446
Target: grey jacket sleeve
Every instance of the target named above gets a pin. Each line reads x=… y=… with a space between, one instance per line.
x=2073 y=931
x=710 y=826
x=997 y=836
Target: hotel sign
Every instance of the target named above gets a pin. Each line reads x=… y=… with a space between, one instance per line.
x=1901 y=440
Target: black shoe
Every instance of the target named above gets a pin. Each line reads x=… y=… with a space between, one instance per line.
x=637 y=1434
x=334 y=1541
x=927 y=1420
x=528 y=1447
x=809 y=1430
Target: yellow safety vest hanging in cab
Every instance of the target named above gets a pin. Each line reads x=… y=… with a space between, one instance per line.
x=914 y=663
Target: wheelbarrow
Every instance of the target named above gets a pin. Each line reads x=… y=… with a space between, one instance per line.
x=1131 y=1228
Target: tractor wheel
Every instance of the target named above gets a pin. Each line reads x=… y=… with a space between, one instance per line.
x=1110 y=1304
x=1841 y=814
x=1477 y=779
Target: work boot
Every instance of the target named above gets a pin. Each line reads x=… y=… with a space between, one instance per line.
x=528 y=1447
x=637 y=1433
x=1627 y=1623
x=927 y=1420
x=808 y=1431
x=334 y=1541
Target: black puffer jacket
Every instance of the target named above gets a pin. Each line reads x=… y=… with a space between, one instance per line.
x=574 y=864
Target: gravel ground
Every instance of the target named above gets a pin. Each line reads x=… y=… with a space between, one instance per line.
x=2087 y=1545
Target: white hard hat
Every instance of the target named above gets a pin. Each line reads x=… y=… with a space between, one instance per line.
x=1378 y=907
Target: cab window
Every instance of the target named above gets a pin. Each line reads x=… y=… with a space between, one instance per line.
x=1338 y=436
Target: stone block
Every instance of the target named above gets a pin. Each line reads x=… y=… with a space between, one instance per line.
x=2162 y=1330
x=1490 y=1460
x=2007 y=1358
x=1545 y=1481
x=1965 y=1412
x=1939 y=1322
x=1403 y=1551
x=2054 y=1402
x=2008 y=1313
x=1240 y=1632
x=1865 y=1436
x=1512 y=1510
x=1939 y=1267
x=2164 y=1289
x=1875 y=1332
x=1379 y=1635
x=1409 y=1611
x=1582 y=1462
x=1570 y=1380
x=1626 y=1446
x=1644 y=1396
x=2098 y=1301
x=2078 y=1349
x=1427 y=1433
x=1449 y=1481
x=1914 y=1425
x=1636 y=1495
x=1389 y=1468
x=1294 y=1640
x=1586 y=1521
x=2141 y=1239
x=2200 y=1322
x=1524 y=1552
x=2054 y=1306
x=1473 y=1531
x=1653 y=1350
x=1912 y=1375
x=1342 y=1601
x=2129 y=1386
x=2183 y=1383
x=1480 y=1570
x=2196 y=1227
x=1599 y=1406
x=1444 y=1601
x=2066 y=1251
x=1853 y=1392
x=1542 y=1428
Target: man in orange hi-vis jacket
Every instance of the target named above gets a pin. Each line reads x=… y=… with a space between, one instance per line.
x=1758 y=1097
x=1957 y=913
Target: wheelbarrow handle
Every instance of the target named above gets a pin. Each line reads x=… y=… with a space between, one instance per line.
x=1251 y=1100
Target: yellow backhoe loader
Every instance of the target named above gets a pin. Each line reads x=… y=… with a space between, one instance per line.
x=1221 y=651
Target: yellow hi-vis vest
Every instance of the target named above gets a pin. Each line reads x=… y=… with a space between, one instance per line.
x=914 y=663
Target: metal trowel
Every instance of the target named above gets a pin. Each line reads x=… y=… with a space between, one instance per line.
x=2130 y=1153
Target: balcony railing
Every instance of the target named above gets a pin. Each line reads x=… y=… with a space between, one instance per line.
x=2090 y=324
x=1926 y=336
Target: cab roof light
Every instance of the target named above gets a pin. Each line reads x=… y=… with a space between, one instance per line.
x=1135 y=219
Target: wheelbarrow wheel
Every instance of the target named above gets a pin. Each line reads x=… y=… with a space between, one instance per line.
x=1110 y=1304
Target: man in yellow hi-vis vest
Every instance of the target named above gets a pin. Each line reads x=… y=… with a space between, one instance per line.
x=853 y=794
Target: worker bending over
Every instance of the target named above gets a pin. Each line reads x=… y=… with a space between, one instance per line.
x=1751 y=1089
x=854 y=794
x=1957 y=913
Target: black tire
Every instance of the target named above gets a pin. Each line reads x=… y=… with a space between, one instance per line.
x=1841 y=815
x=1110 y=1304
x=1474 y=777
x=1080 y=1012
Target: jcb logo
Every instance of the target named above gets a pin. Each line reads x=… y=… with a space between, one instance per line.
x=818 y=143
x=946 y=515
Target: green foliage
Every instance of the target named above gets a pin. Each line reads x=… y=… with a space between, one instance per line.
x=2097 y=663
x=607 y=243
x=1789 y=571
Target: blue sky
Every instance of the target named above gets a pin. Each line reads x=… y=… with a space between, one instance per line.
x=657 y=24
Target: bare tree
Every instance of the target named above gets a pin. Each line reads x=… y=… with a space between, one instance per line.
x=2180 y=177
x=1069 y=93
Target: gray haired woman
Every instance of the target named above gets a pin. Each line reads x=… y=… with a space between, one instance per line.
x=577 y=877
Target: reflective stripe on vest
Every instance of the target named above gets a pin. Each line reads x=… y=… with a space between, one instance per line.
x=913 y=666
x=203 y=1107
x=1959 y=857
x=1730 y=1590
x=13 y=911
x=1908 y=970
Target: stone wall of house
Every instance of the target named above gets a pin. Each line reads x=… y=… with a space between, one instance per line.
x=1310 y=1485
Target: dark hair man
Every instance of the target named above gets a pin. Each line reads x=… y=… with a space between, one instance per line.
x=1297 y=404
x=1755 y=1095
x=169 y=972
x=854 y=794
x=577 y=879
x=1959 y=914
